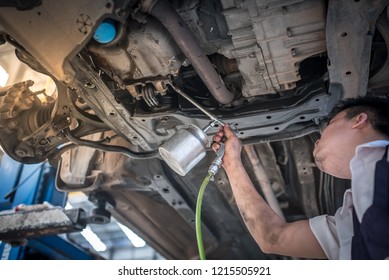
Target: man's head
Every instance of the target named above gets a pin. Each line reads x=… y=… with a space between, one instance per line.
x=352 y=122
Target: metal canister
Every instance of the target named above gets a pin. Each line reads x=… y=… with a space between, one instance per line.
x=185 y=149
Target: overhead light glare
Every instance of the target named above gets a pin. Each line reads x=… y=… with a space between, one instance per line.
x=93 y=240
x=133 y=237
x=3 y=77
x=68 y=206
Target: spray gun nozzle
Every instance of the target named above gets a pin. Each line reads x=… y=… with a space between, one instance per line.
x=213 y=124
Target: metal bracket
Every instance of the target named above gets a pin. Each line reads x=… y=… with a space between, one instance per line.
x=350 y=30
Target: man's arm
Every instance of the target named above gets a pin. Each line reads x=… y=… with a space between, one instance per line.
x=272 y=234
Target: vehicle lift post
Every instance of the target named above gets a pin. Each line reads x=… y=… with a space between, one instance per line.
x=23 y=190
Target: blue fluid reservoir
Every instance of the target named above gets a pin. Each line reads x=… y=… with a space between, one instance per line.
x=106 y=32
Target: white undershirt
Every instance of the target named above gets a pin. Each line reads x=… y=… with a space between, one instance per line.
x=335 y=233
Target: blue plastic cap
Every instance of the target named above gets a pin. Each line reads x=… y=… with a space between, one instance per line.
x=106 y=32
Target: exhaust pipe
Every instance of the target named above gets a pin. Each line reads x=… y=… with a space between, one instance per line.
x=162 y=10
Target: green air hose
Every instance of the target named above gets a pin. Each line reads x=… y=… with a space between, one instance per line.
x=199 y=236
x=213 y=169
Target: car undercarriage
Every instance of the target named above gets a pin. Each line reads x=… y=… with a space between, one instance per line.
x=273 y=70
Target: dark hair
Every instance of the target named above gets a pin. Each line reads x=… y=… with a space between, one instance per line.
x=377 y=109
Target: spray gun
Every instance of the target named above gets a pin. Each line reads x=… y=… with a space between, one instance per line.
x=185 y=149
x=187 y=146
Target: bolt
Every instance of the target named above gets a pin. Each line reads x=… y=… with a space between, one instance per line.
x=20 y=153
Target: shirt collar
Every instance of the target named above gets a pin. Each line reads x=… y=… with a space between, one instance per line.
x=362 y=168
x=372 y=144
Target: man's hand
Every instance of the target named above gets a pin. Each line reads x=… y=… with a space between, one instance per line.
x=233 y=146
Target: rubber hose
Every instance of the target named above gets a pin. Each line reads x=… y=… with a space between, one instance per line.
x=199 y=234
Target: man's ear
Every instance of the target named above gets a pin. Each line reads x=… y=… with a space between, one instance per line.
x=360 y=120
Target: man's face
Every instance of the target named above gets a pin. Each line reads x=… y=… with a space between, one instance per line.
x=331 y=152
